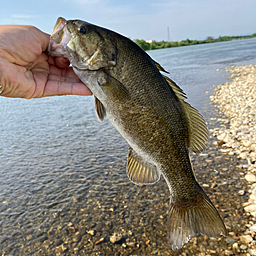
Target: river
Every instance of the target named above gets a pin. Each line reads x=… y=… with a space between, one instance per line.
x=62 y=173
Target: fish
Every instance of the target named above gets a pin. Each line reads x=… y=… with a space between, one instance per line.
x=149 y=110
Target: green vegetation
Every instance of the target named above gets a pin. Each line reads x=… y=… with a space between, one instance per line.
x=164 y=44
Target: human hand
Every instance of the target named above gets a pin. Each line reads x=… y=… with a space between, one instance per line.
x=27 y=72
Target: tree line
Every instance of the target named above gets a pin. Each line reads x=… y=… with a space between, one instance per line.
x=165 y=44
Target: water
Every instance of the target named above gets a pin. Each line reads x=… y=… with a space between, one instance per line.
x=193 y=68
x=62 y=171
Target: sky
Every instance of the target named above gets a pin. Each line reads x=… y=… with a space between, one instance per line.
x=140 y=19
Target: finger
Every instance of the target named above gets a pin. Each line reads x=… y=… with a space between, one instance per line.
x=44 y=38
x=53 y=88
x=62 y=62
x=53 y=77
x=66 y=72
x=51 y=60
x=15 y=80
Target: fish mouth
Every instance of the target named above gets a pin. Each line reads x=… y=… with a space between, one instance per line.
x=60 y=44
x=59 y=39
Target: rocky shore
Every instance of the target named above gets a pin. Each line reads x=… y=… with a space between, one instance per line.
x=236 y=136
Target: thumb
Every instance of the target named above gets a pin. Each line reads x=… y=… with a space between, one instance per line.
x=43 y=37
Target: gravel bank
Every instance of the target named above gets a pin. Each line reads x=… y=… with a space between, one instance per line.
x=236 y=136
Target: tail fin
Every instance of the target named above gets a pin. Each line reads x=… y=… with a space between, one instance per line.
x=189 y=219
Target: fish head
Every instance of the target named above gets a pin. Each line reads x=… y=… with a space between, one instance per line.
x=88 y=47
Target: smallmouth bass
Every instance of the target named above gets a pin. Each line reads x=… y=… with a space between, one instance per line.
x=149 y=111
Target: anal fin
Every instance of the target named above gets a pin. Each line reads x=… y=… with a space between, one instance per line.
x=139 y=171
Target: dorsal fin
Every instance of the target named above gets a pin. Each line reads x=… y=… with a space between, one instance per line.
x=176 y=89
x=139 y=171
x=198 y=132
x=159 y=67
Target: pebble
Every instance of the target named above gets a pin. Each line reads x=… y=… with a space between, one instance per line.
x=91 y=232
x=64 y=248
x=131 y=244
x=245 y=239
x=243 y=155
x=227 y=252
x=115 y=238
x=253 y=228
x=230 y=240
x=253 y=195
x=252 y=252
x=130 y=233
x=250 y=177
x=100 y=241
x=247 y=143
x=235 y=245
x=241 y=192
x=224 y=150
x=253 y=214
x=250 y=208
x=243 y=247
x=29 y=237
x=71 y=229
x=222 y=137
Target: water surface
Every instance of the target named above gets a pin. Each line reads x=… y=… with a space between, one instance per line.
x=63 y=172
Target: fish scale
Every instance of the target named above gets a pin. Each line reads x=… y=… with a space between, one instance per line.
x=150 y=112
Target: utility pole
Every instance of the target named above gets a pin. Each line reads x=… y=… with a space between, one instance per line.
x=168 y=34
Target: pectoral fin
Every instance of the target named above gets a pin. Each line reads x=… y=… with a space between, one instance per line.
x=113 y=88
x=140 y=171
x=100 y=110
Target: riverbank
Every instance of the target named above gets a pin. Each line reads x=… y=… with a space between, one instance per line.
x=152 y=45
x=236 y=136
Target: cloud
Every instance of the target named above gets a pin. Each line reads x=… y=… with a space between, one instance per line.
x=22 y=16
x=103 y=12
x=88 y=2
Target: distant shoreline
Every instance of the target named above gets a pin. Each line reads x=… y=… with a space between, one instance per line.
x=152 y=45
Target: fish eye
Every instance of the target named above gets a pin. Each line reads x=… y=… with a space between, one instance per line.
x=82 y=30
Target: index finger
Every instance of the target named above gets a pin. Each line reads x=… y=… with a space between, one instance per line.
x=62 y=73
